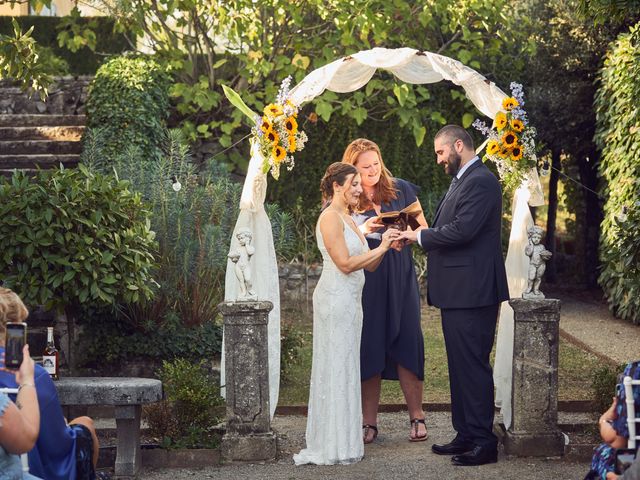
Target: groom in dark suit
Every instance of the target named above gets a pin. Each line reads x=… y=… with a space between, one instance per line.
x=466 y=280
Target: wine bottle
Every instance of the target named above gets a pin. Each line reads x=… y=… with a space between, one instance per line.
x=50 y=355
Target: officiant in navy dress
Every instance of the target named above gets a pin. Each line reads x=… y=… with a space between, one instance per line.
x=466 y=280
x=392 y=345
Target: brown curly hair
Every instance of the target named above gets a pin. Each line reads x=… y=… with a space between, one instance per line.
x=385 y=190
x=336 y=172
x=11 y=309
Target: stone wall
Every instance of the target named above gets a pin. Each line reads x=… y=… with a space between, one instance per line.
x=67 y=96
x=297 y=282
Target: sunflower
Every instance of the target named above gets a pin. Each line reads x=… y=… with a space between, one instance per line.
x=516 y=152
x=501 y=121
x=493 y=147
x=504 y=152
x=292 y=143
x=278 y=153
x=273 y=110
x=509 y=139
x=272 y=136
x=509 y=103
x=517 y=125
x=291 y=125
x=265 y=126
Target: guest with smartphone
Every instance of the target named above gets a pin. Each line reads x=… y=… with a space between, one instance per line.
x=19 y=422
x=63 y=451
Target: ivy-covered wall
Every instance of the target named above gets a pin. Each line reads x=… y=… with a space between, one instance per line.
x=618 y=137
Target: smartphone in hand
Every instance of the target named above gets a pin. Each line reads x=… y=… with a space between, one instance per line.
x=16 y=337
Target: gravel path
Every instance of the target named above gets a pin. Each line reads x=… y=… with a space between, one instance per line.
x=390 y=457
x=585 y=320
x=589 y=323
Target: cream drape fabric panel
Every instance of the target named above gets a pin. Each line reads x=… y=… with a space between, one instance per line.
x=347 y=75
x=263 y=264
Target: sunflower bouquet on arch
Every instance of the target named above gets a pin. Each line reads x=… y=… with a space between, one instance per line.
x=511 y=139
x=276 y=131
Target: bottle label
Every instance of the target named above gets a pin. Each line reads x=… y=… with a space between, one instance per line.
x=49 y=364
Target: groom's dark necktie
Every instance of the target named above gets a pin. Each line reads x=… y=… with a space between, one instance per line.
x=454 y=181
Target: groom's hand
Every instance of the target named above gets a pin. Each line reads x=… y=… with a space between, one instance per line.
x=410 y=235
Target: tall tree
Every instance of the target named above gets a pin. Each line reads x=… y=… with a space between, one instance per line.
x=560 y=80
x=253 y=46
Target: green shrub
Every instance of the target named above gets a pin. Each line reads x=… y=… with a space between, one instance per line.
x=603 y=383
x=128 y=100
x=84 y=61
x=618 y=137
x=190 y=409
x=193 y=226
x=72 y=238
x=114 y=338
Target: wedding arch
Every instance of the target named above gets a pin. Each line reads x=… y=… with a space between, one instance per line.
x=345 y=75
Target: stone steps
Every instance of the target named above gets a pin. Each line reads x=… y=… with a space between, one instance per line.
x=59 y=133
x=31 y=162
x=44 y=120
x=32 y=141
x=39 y=147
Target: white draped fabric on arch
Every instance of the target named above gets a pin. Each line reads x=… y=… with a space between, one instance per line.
x=347 y=75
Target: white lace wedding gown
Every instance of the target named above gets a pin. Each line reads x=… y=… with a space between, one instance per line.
x=334 y=422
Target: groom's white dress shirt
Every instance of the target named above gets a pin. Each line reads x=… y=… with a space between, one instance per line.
x=458 y=176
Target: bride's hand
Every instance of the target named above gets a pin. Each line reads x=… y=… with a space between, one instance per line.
x=398 y=245
x=370 y=226
x=389 y=237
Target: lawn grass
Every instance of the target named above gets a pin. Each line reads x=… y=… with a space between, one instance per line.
x=574 y=370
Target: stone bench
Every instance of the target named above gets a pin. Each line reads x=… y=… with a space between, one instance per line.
x=127 y=395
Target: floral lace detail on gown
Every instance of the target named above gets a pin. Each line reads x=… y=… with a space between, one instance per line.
x=334 y=422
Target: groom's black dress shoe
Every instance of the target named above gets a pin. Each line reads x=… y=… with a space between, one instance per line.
x=455 y=447
x=478 y=456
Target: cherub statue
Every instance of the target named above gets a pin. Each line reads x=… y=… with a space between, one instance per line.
x=538 y=256
x=241 y=257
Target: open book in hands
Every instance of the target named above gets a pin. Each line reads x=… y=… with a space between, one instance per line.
x=403 y=218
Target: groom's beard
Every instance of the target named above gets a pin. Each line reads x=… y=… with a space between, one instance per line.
x=452 y=166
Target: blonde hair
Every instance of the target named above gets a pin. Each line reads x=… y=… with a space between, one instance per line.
x=385 y=190
x=11 y=309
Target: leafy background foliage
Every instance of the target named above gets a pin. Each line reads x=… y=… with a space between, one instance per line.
x=252 y=47
x=81 y=60
x=618 y=136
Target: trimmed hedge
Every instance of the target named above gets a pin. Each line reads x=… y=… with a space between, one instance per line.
x=129 y=103
x=84 y=61
x=618 y=136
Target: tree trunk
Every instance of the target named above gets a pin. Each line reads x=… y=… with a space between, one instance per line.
x=551 y=273
x=588 y=168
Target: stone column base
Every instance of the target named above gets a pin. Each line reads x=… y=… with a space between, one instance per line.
x=249 y=448
x=541 y=444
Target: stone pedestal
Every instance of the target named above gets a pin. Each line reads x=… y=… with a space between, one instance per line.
x=534 y=391
x=249 y=436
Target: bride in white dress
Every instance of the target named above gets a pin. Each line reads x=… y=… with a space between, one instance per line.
x=334 y=422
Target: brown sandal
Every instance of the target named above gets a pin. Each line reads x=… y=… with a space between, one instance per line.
x=414 y=425
x=365 y=435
